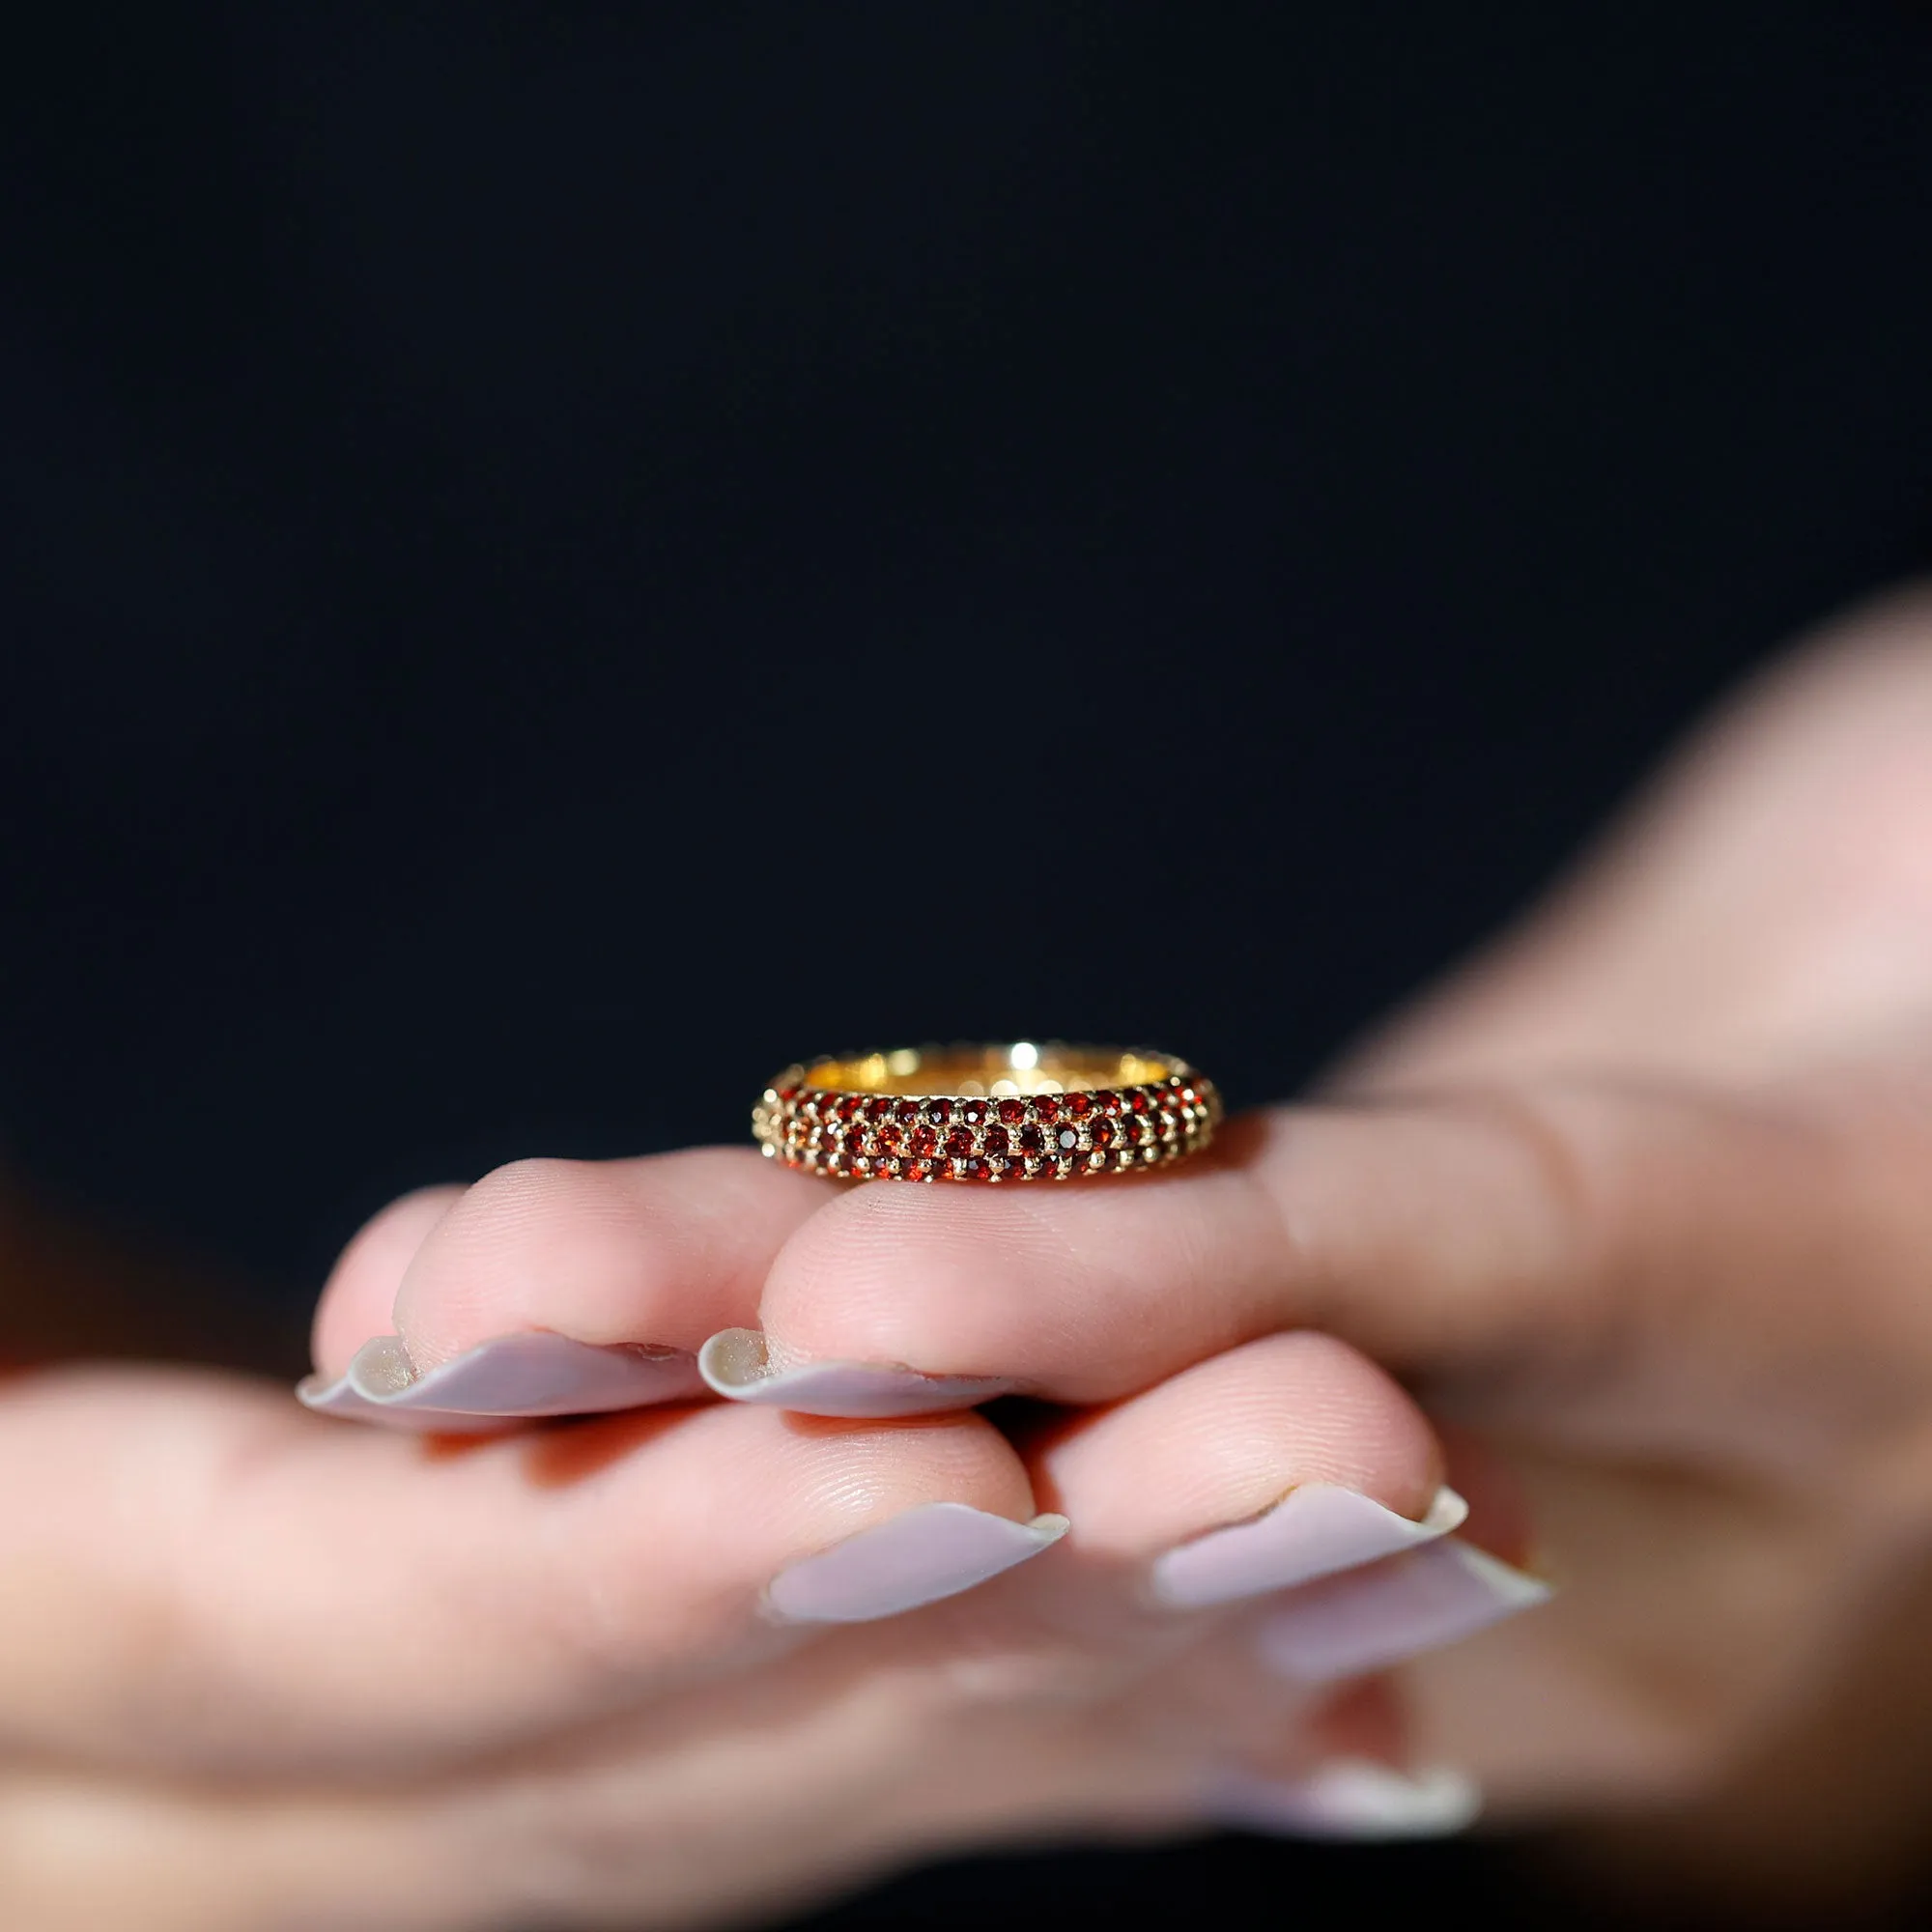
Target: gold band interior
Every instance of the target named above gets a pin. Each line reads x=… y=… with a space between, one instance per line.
x=965 y=1072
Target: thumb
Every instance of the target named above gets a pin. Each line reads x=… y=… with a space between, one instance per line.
x=1767 y=902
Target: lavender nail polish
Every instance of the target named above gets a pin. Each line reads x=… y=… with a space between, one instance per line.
x=531 y=1374
x=1380 y=1616
x=1314 y=1531
x=931 y=1552
x=1349 y=1798
x=738 y=1363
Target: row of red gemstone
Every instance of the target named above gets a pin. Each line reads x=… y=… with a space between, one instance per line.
x=961 y=1142
x=856 y=1167
x=825 y=1104
x=818 y=1129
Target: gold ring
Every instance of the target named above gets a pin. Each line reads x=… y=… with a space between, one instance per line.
x=987 y=1113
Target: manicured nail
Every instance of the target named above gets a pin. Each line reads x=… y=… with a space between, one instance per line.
x=1313 y=1532
x=513 y=1375
x=1350 y=1797
x=1376 y=1617
x=738 y=1363
x=932 y=1551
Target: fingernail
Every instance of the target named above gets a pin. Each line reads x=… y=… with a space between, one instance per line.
x=1411 y=1603
x=1350 y=1797
x=1313 y=1532
x=513 y=1375
x=738 y=1363
x=932 y=1551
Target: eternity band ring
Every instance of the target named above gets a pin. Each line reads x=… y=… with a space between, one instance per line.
x=987 y=1113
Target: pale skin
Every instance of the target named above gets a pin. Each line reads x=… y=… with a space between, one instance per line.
x=1637 y=1210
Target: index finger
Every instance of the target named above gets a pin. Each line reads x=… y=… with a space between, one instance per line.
x=1439 y=1236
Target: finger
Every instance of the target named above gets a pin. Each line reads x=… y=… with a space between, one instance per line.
x=1508 y=1242
x=550 y=1287
x=1294 y=1480
x=203 y=1575
x=896 y=1297
x=1294 y=1484
x=359 y=1297
x=1285 y=1460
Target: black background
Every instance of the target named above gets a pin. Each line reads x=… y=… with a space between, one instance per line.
x=554 y=559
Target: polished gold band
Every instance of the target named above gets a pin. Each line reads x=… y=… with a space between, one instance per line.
x=987 y=1113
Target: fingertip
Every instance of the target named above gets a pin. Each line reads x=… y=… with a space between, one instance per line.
x=1229 y=1437
x=657 y=1252
x=358 y=1301
x=1276 y=1463
x=1066 y=1290
x=856 y=1472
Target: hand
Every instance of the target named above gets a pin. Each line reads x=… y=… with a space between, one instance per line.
x=1640 y=1202
x=656 y=1667
x=1581 y=1201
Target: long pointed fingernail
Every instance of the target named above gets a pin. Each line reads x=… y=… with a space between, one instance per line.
x=934 y=1550
x=1313 y=1532
x=1350 y=1797
x=513 y=1375
x=739 y=1363
x=1376 y=1617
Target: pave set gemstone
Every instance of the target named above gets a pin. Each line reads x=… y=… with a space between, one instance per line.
x=1042 y=1136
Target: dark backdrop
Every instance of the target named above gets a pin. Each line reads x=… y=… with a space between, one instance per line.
x=555 y=558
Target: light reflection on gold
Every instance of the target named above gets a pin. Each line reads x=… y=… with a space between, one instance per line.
x=1023 y=1067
